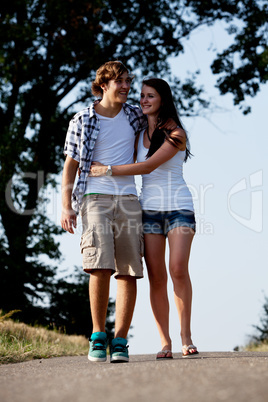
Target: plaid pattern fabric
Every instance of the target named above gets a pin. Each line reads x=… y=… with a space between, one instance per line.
x=81 y=138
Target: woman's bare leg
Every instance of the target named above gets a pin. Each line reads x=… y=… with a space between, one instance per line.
x=180 y=240
x=155 y=261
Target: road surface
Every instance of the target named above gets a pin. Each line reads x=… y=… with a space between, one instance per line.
x=208 y=377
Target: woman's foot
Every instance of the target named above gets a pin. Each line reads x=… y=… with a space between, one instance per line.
x=164 y=354
x=189 y=350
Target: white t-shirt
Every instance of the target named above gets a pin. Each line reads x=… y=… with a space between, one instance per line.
x=114 y=146
x=164 y=189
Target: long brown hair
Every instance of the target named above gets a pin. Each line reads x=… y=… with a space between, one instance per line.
x=167 y=110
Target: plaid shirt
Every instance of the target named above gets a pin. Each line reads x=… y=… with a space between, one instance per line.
x=81 y=138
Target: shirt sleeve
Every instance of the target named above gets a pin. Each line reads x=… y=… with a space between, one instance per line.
x=142 y=120
x=72 y=144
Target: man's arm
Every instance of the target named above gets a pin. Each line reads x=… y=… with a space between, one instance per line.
x=68 y=215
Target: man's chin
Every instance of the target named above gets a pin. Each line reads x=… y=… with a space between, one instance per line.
x=123 y=98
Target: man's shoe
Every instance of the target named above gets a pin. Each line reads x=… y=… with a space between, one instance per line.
x=119 y=350
x=97 y=347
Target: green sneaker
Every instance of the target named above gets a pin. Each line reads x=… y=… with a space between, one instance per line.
x=119 y=350
x=97 y=347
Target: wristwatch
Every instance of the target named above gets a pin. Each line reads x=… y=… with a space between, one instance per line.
x=109 y=171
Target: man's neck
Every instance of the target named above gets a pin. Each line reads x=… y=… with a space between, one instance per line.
x=108 y=109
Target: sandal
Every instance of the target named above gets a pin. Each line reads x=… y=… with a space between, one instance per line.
x=189 y=350
x=163 y=355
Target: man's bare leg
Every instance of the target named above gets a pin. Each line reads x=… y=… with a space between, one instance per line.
x=99 y=286
x=125 y=304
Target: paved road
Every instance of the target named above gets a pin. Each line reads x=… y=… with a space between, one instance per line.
x=208 y=377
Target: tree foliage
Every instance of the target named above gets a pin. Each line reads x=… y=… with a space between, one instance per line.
x=49 y=52
x=262 y=328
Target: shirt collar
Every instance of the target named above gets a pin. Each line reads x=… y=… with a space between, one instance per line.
x=92 y=112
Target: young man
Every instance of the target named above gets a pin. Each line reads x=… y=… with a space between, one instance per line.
x=112 y=240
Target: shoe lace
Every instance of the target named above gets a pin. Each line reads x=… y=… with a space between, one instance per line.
x=98 y=345
x=120 y=348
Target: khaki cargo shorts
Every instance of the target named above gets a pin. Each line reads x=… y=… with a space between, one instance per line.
x=112 y=236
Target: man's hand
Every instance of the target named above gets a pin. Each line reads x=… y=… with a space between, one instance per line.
x=68 y=220
x=170 y=124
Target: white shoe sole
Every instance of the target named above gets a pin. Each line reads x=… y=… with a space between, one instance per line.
x=97 y=359
x=119 y=359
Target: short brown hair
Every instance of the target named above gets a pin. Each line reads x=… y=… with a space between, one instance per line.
x=108 y=71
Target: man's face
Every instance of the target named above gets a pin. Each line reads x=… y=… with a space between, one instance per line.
x=117 y=90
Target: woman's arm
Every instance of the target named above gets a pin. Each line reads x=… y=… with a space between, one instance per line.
x=162 y=155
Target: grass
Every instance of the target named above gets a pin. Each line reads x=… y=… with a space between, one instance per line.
x=20 y=342
x=257 y=347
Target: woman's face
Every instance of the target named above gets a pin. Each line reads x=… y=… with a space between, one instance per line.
x=150 y=100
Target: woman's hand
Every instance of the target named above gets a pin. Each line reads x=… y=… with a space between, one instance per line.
x=97 y=169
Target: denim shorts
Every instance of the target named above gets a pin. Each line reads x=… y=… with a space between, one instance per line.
x=161 y=222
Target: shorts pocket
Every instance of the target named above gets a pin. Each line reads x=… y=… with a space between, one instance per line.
x=88 y=246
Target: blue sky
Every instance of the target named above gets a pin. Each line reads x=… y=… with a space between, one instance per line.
x=228 y=180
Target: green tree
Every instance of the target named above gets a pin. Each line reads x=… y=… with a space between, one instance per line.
x=262 y=329
x=49 y=51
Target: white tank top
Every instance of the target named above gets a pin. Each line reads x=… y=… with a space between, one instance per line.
x=114 y=146
x=164 y=189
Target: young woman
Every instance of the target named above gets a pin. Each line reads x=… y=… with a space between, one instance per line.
x=168 y=210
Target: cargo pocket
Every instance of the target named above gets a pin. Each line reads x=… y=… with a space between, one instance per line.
x=88 y=248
